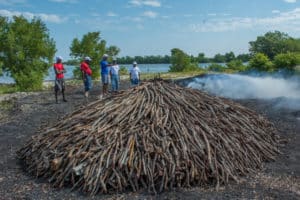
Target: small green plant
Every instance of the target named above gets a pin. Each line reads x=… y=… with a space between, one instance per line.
x=236 y=65
x=123 y=70
x=8 y=88
x=216 y=68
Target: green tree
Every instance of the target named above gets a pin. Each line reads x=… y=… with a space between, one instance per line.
x=244 y=57
x=229 y=56
x=113 y=51
x=202 y=59
x=27 y=51
x=260 y=62
x=273 y=43
x=218 y=58
x=181 y=61
x=90 y=45
x=286 y=61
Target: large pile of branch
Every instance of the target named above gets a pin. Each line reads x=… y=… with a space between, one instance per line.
x=156 y=136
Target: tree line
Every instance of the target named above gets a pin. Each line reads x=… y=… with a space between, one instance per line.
x=271 y=52
x=201 y=58
x=27 y=52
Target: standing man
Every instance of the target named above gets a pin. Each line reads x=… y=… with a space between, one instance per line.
x=114 y=76
x=59 y=78
x=86 y=75
x=134 y=74
x=104 y=74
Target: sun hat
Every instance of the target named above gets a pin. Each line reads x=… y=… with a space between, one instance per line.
x=87 y=58
x=105 y=56
x=135 y=63
x=58 y=58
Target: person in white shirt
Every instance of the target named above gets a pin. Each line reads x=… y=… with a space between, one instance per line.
x=134 y=74
x=114 y=76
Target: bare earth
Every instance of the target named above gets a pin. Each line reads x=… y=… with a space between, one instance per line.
x=21 y=117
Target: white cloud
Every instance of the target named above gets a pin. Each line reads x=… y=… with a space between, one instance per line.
x=285 y=20
x=152 y=3
x=64 y=1
x=150 y=14
x=12 y=2
x=290 y=1
x=44 y=17
x=212 y=14
x=188 y=15
x=112 y=14
x=133 y=19
x=275 y=11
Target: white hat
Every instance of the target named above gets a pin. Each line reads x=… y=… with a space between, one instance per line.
x=58 y=58
x=87 y=58
x=135 y=63
x=105 y=56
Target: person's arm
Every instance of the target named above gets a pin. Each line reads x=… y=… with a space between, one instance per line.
x=82 y=73
x=56 y=70
x=64 y=70
x=83 y=76
x=139 y=73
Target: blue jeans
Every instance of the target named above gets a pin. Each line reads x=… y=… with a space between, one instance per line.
x=115 y=82
x=104 y=78
x=87 y=82
x=134 y=82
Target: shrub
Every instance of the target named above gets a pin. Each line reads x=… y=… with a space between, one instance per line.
x=286 y=61
x=216 y=68
x=123 y=70
x=260 y=62
x=27 y=51
x=236 y=65
x=179 y=60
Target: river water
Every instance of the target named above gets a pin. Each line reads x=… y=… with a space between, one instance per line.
x=145 y=68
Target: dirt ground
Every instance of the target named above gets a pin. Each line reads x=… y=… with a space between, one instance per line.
x=21 y=117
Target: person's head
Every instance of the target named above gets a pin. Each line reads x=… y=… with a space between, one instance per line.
x=87 y=59
x=59 y=59
x=104 y=57
x=134 y=64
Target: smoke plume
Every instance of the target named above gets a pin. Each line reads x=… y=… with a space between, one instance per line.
x=236 y=86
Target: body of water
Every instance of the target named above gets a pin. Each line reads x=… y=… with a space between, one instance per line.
x=145 y=68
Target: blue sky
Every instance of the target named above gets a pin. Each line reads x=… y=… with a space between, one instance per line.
x=154 y=27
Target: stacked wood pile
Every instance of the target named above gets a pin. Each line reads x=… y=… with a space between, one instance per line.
x=156 y=136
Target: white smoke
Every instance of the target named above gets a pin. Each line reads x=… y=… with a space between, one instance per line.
x=236 y=86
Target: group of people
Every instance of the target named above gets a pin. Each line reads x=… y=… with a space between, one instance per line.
x=109 y=71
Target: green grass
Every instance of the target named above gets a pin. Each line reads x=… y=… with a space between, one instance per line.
x=9 y=88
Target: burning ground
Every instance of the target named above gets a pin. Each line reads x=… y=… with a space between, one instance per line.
x=23 y=116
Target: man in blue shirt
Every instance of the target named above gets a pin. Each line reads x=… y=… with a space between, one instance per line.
x=104 y=74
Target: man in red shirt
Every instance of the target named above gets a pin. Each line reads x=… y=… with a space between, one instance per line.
x=59 y=78
x=86 y=75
